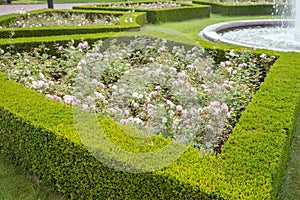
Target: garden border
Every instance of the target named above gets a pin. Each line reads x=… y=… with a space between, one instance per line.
x=24 y=39
x=251 y=166
x=138 y=20
x=186 y=12
x=241 y=10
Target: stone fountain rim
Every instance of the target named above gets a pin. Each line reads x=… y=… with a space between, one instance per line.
x=211 y=33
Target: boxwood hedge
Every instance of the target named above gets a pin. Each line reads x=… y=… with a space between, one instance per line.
x=25 y=39
x=138 y=20
x=185 y=12
x=243 y=9
x=39 y=135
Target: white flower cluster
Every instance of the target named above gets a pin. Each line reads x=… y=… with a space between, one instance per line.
x=157 y=86
x=149 y=5
x=27 y=20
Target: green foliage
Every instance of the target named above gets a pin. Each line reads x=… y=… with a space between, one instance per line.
x=138 y=19
x=240 y=10
x=17 y=184
x=46 y=144
x=185 y=12
x=25 y=39
x=251 y=165
x=291 y=187
x=27 y=44
x=178 y=14
x=39 y=134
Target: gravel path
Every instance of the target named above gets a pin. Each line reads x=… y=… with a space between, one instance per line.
x=13 y=8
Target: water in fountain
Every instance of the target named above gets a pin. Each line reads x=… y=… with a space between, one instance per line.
x=297 y=20
x=275 y=37
x=285 y=37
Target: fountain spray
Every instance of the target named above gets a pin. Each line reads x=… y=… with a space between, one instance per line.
x=297 y=20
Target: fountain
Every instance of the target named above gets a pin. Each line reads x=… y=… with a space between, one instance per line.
x=278 y=35
x=297 y=20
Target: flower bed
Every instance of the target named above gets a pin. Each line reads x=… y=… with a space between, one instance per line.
x=168 y=90
x=147 y=5
x=72 y=22
x=251 y=165
x=48 y=19
x=26 y=39
x=156 y=12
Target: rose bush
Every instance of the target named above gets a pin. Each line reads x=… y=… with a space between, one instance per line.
x=150 y=5
x=158 y=86
x=27 y=20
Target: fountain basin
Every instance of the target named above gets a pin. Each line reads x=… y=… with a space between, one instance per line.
x=264 y=34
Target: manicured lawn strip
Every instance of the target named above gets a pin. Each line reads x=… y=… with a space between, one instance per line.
x=192 y=28
x=291 y=187
x=16 y=184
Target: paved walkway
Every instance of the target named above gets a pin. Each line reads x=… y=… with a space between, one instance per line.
x=13 y=8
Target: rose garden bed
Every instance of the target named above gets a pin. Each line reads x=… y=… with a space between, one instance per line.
x=157 y=11
x=29 y=38
x=39 y=133
x=51 y=23
x=163 y=105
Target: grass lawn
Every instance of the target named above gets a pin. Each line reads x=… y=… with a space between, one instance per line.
x=291 y=187
x=15 y=184
x=192 y=28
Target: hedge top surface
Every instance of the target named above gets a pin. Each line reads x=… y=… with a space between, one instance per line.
x=4 y=19
x=107 y=6
x=239 y=3
x=127 y=21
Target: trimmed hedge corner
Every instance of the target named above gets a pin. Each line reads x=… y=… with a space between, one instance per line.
x=241 y=9
x=39 y=135
x=184 y=12
x=137 y=20
x=25 y=39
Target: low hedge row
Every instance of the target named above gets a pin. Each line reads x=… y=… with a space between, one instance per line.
x=29 y=43
x=39 y=134
x=242 y=10
x=185 y=12
x=138 y=20
x=25 y=39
